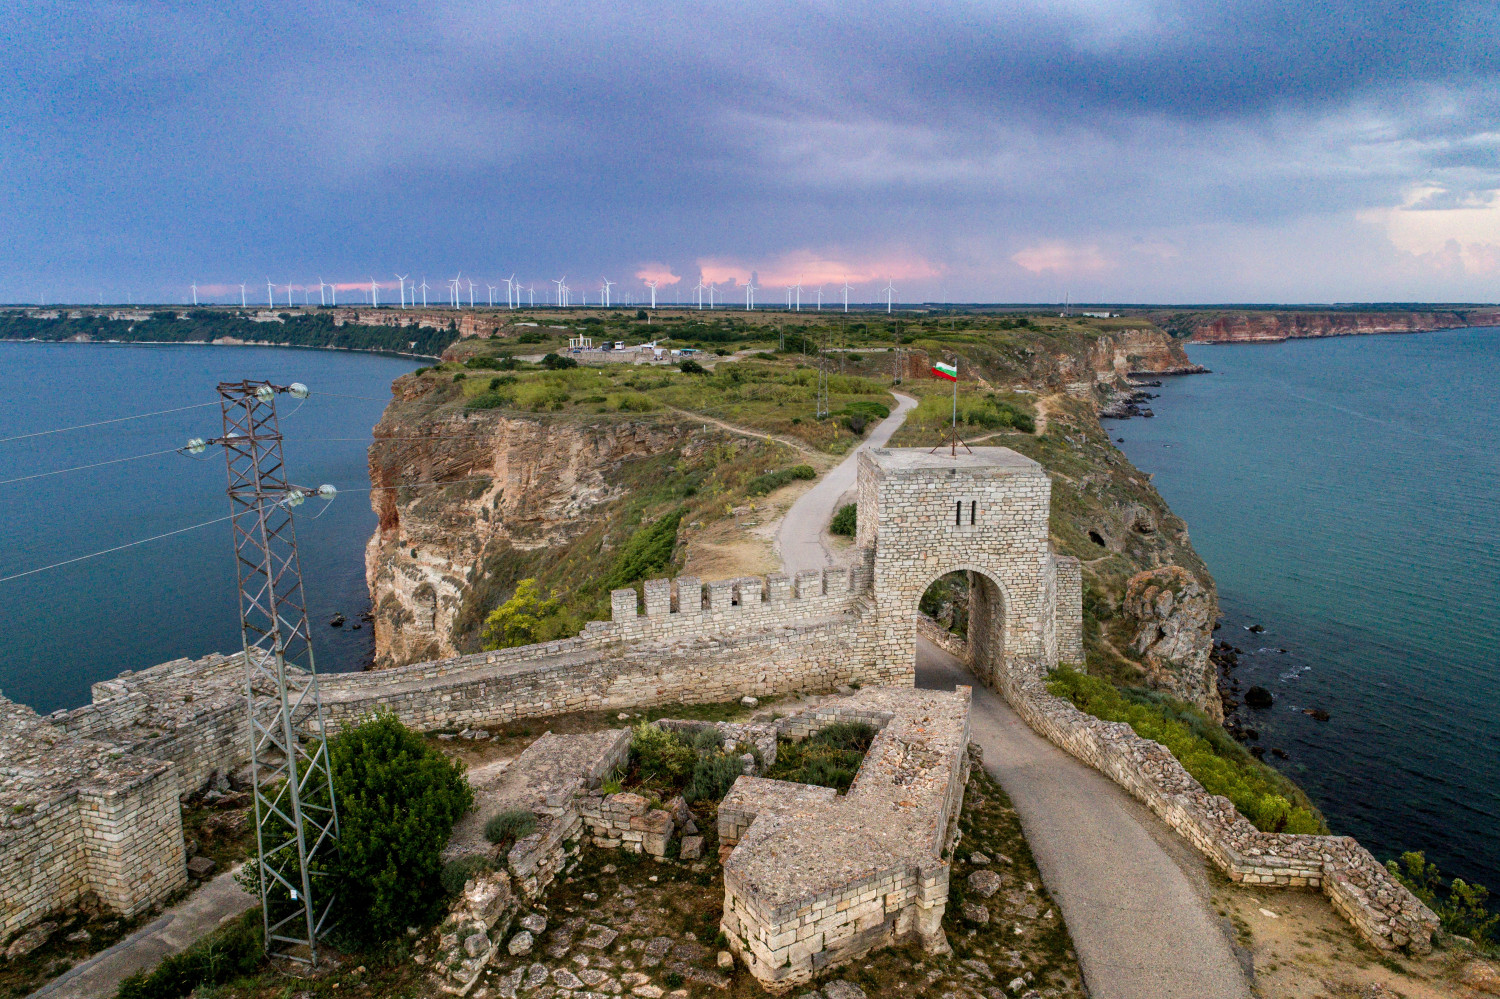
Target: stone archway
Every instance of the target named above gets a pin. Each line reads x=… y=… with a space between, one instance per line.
x=973 y=632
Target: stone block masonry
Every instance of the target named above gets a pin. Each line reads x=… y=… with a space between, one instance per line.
x=816 y=879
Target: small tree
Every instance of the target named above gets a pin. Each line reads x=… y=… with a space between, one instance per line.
x=519 y=620
x=398 y=799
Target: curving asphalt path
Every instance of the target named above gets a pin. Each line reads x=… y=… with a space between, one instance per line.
x=1132 y=893
x=799 y=540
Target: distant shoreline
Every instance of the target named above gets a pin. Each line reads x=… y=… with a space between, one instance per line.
x=220 y=343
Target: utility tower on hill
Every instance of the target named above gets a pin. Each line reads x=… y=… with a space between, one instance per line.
x=296 y=819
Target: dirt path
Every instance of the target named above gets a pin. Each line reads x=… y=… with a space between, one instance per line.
x=747 y=432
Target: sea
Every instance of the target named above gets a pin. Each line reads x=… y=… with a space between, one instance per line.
x=1345 y=494
x=66 y=405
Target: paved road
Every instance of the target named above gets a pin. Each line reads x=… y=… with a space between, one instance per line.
x=1132 y=892
x=800 y=538
x=177 y=929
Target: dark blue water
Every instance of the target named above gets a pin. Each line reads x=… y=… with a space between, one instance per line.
x=66 y=628
x=1345 y=493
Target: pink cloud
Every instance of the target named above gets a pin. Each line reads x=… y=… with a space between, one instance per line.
x=812 y=269
x=1061 y=258
x=660 y=273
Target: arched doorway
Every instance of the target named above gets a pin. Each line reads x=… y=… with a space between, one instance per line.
x=960 y=617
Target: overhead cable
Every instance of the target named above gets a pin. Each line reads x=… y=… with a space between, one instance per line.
x=130 y=544
x=121 y=419
x=79 y=468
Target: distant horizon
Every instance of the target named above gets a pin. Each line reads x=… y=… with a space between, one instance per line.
x=829 y=308
x=1245 y=150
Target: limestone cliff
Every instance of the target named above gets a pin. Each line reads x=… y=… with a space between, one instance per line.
x=1249 y=327
x=520 y=485
x=1173 y=617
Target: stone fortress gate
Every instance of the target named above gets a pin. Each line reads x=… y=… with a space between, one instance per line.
x=152 y=735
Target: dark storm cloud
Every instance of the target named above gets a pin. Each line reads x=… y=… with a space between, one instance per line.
x=146 y=143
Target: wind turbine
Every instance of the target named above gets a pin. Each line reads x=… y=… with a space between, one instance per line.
x=402 y=279
x=531 y=291
x=322 y=298
x=889 y=291
x=652 y=286
x=607 y=285
x=242 y=295
x=270 y=302
x=799 y=293
x=195 y=294
x=559 y=283
x=374 y=293
x=289 y=294
x=471 y=293
x=699 y=290
x=333 y=294
x=492 y=293
x=846 y=293
x=424 y=291
x=820 y=298
x=711 y=296
x=750 y=291
x=512 y=291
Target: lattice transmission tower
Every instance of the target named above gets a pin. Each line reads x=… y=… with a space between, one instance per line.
x=296 y=817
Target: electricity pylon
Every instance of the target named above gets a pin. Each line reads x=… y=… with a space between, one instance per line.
x=822 y=385
x=296 y=819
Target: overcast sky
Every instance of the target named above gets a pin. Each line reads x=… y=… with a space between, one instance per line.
x=1120 y=150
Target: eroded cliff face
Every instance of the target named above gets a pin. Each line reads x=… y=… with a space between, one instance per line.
x=1251 y=327
x=519 y=485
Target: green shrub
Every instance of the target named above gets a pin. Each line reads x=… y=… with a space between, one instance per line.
x=845 y=522
x=635 y=402
x=771 y=481
x=525 y=619
x=648 y=551
x=556 y=362
x=509 y=825
x=659 y=755
x=691 y=367
x=714 y=774
x=486 y=363
x=456 y=873
x=829 y=758
x=231 y=951
x=397 y=799
x=1270 y=801
x=1462 y=907
x=489 y=400
x=532 y=336
x=706 y=740
x=868 y=408
x=855 y=424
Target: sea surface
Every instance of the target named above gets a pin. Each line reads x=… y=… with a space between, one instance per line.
x=65 y=628
x=1345 y=494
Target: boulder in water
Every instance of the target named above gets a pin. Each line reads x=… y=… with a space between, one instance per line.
x=1258 y=697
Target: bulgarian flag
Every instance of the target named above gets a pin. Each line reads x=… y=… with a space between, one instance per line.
x=945 y=370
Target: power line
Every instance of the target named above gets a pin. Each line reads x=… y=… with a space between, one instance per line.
x=131 y=544
x=79 y=468
x=122 y=419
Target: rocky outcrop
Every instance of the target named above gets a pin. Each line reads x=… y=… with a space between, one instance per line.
x=1173 y=619
x=1246 y=327
x=517 y=484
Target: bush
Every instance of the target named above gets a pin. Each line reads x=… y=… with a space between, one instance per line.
x=531 y=336
x=460 y=377
x=714 y=774
x=641 y=314
x=648 y=551
x=1462 y=907
x=771 y=481
x=509 y=825
x=525 y=619
x=868 y=408
x=691 y=367
x=635 y=402
x=845 y=522
x=230 y=952
x=556 y=362
x=855 y=424
x=1270 y=801
x=829 y=758
x=490 y=400
x=659 y=755
x=456 y=873
x=397 y=799
x=486 y=363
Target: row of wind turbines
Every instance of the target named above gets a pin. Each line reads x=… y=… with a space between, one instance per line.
x=514 y=292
